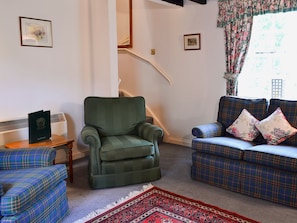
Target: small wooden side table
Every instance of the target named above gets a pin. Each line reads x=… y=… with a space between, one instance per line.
x=54 y=142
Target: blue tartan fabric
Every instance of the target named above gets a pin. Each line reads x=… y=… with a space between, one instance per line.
x=49 y=207
x=253 y=168
x=222 y=146
x=23 y=187
x=269 y=184
x=208 y=130
x=216 y=171
x=278 y=156
x=289 y=108
x=231 y=107
x=26 y=158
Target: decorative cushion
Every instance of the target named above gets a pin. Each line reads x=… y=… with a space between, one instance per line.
x=275 y=128
x=244 y=126
x=289 y=109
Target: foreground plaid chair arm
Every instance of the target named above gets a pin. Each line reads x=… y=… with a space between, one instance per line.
x=208 y=130
x=11 y=159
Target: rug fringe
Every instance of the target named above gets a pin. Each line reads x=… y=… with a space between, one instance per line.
x=121 y=200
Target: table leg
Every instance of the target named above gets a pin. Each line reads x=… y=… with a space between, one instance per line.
x=69 y=146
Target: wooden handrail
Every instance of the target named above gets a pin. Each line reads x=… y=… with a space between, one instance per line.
x=164 y=75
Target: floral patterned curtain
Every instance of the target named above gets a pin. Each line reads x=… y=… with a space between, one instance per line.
x=236 y=17
x=237 y=39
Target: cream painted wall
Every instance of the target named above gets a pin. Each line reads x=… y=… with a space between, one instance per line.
x=197 y=76
x=82 y=62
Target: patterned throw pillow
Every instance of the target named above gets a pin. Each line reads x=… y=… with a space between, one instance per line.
x=275 y=128
x=244 y=126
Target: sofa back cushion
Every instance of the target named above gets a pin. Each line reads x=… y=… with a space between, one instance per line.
x=114 y=116
x=289 y=109
x=230 y=108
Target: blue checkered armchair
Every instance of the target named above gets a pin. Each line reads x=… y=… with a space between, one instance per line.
x=31 y=188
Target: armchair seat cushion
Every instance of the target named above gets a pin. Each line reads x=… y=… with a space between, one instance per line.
x=125 y=147
x=222 y=146
x=23 y=187
x=278 y=156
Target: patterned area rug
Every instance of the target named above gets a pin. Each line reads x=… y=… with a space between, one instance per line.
x=153 y=204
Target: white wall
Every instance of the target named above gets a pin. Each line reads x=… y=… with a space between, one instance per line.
x=82 y=62
x=197 y=76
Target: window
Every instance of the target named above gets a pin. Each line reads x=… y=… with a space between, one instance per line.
x=270 y=67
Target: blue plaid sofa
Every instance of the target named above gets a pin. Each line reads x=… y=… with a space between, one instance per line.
x=252 y=168
x=31 y=188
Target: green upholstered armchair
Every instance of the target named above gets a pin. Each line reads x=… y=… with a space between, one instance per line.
x=123 y=147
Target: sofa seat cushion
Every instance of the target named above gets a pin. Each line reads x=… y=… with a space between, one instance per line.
x=276 y=156
x=22 y=187
x=124 y=147
x=222 y=146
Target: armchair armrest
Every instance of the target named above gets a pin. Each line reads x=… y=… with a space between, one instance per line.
x=149 y=131
x=91 y=137
x=26 y=158
x=208 y=130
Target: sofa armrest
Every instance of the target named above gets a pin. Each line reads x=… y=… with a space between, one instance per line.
x=208 y=130
x=26 y=158
x=149 y=131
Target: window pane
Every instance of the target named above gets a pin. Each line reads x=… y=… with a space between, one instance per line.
x=271 y=56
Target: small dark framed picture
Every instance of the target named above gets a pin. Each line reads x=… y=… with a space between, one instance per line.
x=192 y=41
x=36 y=32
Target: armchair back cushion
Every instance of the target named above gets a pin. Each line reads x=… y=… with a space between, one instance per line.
x=231 y=107
x=115 y=116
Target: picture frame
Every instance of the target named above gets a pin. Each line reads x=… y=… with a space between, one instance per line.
x=36 y=32
x=192 y=41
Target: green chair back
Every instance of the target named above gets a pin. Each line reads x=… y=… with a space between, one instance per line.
x=114 y=116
